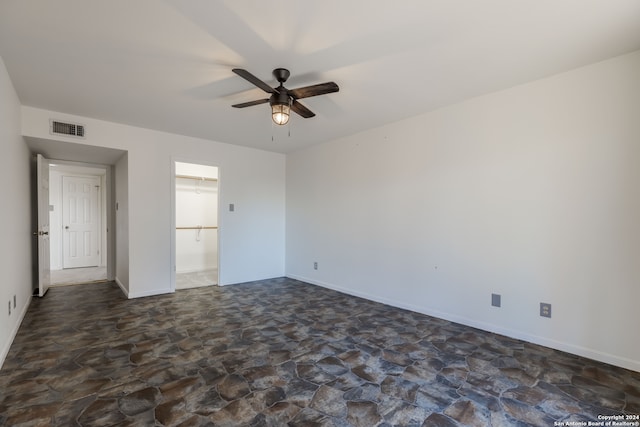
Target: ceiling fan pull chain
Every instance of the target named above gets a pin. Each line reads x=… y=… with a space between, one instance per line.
x=289 y=122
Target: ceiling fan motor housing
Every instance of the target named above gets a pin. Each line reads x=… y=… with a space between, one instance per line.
x=280 y=98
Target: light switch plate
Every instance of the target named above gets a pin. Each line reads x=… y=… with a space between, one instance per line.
x=496 y=300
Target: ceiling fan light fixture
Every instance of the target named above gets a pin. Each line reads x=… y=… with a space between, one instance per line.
x=280 y=107
x=280 y=113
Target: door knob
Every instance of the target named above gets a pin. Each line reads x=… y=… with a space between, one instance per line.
x=66 y=227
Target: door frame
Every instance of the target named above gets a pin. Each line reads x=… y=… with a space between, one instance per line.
x=172 y=230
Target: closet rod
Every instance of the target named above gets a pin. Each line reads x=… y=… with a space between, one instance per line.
x=196 y=228
x=197 y=178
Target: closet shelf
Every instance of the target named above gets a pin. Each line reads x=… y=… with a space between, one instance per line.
x=196 y=228
x=197 y=178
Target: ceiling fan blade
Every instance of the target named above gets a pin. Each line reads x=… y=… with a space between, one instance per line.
x=314 y=90
x=253 y=79
x=251 y=103
x=301 y=109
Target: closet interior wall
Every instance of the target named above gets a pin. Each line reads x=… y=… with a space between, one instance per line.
x=196 y=224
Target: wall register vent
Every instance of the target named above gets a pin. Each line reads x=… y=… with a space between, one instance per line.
x=67 y=129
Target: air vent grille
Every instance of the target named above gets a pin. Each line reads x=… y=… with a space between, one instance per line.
x=68 y=129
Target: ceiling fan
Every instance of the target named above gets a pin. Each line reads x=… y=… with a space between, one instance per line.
x=283 y=100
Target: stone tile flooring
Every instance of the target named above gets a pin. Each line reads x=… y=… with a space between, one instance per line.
x=280 y=352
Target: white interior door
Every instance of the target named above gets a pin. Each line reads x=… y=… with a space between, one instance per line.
x=44 y=266
x=80 y=219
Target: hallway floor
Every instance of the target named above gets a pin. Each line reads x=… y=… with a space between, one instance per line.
x=281 y=352
x=74 y=276
x=197 y=279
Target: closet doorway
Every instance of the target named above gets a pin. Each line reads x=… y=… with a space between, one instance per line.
x=196 y=225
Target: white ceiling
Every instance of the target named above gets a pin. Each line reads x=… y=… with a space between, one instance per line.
x=68 y=151
x=166 y=65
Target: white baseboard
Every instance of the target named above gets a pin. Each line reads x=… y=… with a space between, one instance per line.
x=124 y=290
x=150 y=293
x=14 y=332
x=611 y=359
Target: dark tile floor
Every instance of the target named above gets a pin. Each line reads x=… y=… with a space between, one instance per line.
x=281 y=352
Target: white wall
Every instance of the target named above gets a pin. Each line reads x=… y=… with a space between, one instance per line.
x=252 y=241
x=196 y=169
x=15 y=219
x=530 y=192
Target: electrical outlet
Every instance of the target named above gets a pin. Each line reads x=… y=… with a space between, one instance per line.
x=495 y=300
x=545 y=309
x=315 y=265
x=232 y=207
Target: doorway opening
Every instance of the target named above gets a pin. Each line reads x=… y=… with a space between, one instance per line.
x=196 y=225
x=78 y=223
x=114 y=164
